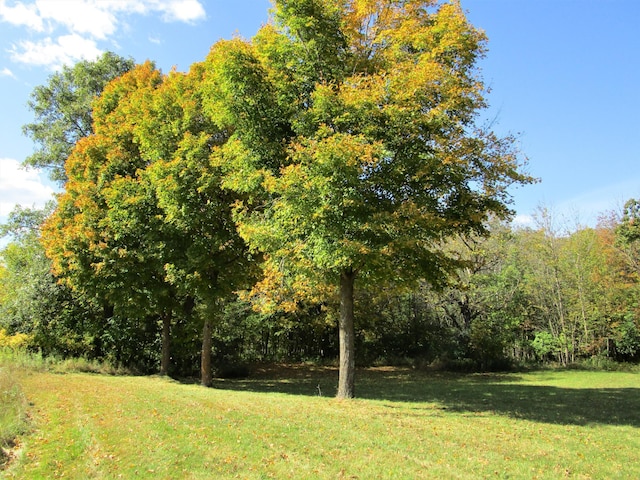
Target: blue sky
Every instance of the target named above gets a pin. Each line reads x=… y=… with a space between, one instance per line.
x=564 y=76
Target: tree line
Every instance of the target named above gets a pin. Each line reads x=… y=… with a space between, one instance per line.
x=526 y=295
x=321 y=191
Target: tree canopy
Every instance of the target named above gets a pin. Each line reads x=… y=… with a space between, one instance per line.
x=342 y=150
x=141 y=224
x=63 y=110
x=354 y=137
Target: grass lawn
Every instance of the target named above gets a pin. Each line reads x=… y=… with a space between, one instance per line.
x=405 y=424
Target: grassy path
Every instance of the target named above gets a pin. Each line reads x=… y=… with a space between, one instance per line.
x=537 y=425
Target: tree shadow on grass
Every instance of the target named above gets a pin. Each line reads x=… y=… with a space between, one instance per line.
x=489 y=393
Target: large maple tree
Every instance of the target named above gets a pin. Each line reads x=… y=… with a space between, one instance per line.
x=143 y=224
x=353 y=138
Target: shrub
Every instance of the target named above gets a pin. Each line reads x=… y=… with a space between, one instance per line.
x=544 y=345
x=18 y=341
x=627 y=340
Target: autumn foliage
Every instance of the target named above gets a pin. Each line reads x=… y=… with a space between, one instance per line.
x=329 y=170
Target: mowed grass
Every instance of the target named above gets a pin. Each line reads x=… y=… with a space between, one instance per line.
x=405 y=424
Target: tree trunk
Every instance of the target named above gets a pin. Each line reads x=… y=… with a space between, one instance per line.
x=347 y=333
x=205 y=361
x=165 y=361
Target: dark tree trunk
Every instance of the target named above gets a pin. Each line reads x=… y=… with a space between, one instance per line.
x=165 y=361
x=205 y=361
x=346 y=379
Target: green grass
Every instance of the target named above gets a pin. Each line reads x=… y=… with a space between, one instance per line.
x=405 y=424
x=13 y=413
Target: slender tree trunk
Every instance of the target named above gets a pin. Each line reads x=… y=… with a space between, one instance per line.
x=165 y=361
x=346 y=379
x=205 y=361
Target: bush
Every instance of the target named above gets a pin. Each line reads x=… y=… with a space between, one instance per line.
x=16 y=342
x=602 y=363
x=544 y=345
x=628 y=340
x=84 y=365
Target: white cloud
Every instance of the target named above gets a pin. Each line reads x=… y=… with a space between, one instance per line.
x=79 y=24
x=81 y=17
x=188 y=11
x=523 y=221
x=5 y=72
x=21 y=15
x=21 y=187
x=65 y=50
x=96 y=18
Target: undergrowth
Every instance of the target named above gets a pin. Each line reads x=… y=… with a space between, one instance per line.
x=36 y=362
x=13 y=413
